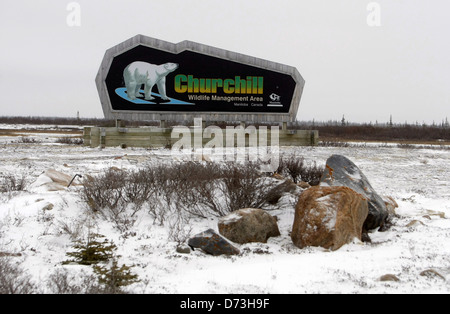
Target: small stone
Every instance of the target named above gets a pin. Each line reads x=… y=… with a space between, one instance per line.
x=430 y=273
x=414 y=223
x=389 y=277
x=212 y=243
x=7 y=254
x=304 y=185
x=248 y=225
x=183 y=249
x=439 y=214
x=48 y=206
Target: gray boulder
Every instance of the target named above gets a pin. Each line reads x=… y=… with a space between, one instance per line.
x=248 y=225
x=340 y=171
x=212 y=243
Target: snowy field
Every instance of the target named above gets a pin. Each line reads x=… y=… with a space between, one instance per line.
x=416 y=249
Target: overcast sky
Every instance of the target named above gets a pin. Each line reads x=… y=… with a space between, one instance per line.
x=367 y=73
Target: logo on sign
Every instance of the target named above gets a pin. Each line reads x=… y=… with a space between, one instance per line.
x=275 y=100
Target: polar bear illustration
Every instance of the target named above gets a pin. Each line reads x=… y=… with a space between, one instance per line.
x=138 y=73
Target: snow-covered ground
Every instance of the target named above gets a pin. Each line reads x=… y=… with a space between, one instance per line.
x=418 y=179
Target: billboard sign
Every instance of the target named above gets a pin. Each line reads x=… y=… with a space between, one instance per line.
x=149 y=79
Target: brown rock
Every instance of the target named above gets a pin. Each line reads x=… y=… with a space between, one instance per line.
x=278 y=176
x=48 y=206
x=430 y=273
x=329 y=217
x=6 y=254
x=389 y=277
x=304 y=185
x=435 y=213
x=391 y=204
x=274 y=194
x=414 y=223
x=249 y=225
x=58 y=177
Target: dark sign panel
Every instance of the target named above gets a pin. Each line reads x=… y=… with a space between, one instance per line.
x=149 y=79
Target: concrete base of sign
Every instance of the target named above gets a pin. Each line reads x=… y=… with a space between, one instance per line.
x=158 y=137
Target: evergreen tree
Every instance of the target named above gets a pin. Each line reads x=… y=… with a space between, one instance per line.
x=343 y=120
x=92 y=251
x=114 y=278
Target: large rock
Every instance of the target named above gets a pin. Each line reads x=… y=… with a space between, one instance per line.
x=248 y=225
x=340 y=171
x=212 y=243
x=328 y=217
x=286 y=187
x=51 y=180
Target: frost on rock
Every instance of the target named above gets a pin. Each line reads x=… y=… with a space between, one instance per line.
x=249 y=225
x=340 y=171
x=329 y=217
x=330 y=214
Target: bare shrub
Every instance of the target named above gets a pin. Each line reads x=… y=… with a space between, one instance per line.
x=73 y=229
x=109 y=195
x=333 y=144
x=243 y=186
x=164 y=186
x=61 y=282
x=138 y=187
x=312 y=174
x=197 y=188
x=194 y=188
x=10 y=183
x=179 y=230
x=28 y=140
x=14 y=280
x=105 y=191
x=69 y=140
x=213 y=190
x=203 y=189
x=295 y=168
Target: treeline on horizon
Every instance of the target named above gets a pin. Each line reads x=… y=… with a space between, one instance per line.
x=327 y=129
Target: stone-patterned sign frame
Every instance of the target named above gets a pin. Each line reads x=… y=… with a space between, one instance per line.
x=147 y=106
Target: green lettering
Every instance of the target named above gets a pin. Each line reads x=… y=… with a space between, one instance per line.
x=179 y=88
x=228 y=86
x=193 y=84
x=216 y=83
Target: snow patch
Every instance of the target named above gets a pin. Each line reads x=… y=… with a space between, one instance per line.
x=42 y=236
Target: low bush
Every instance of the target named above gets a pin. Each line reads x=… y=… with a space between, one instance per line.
x=11 y=183
x=69 y=140
x=14 y=280
x=297 y=169
x=213 y=190
x=197 y=189
x=28 y=140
